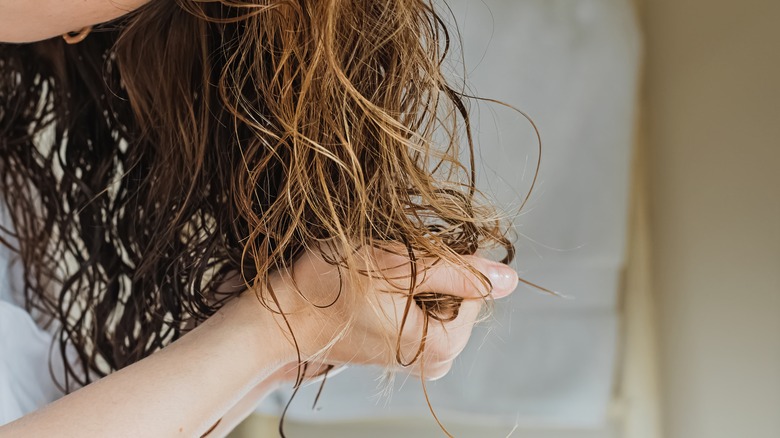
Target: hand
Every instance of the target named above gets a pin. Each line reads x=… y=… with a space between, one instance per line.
x=362 y=326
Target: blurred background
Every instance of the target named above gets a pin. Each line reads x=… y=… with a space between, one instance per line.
x=657 y=213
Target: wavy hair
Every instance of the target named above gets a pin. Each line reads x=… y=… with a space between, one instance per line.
x=198 y=138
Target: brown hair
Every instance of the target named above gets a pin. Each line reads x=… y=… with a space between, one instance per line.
x=192 y=139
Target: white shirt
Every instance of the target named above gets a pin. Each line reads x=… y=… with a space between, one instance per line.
x=26 y=383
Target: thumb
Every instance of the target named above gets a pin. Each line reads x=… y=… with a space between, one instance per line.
x=452 y=279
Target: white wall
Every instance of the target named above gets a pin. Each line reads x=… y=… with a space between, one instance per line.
x=713 y=103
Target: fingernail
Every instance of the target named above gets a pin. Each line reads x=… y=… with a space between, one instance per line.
x=504 y=280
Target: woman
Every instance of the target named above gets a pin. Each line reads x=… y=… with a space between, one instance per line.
x=267 y=189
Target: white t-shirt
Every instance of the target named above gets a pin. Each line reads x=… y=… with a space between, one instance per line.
x=26 y=383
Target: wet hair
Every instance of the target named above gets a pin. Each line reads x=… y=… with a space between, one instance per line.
x=191 y=140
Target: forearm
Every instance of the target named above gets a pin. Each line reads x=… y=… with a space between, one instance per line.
x=241 y=410
x=180 y=391
x=34 y=20
x=285 y=375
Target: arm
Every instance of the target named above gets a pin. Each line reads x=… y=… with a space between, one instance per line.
x=284 y=376
x=34 y=20
x=227 y=364
x=445 y=341
x=182 y=390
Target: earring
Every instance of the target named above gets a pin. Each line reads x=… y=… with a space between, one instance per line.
x=77 y=37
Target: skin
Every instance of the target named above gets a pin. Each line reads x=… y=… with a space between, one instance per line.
x=224 y=367
x=56 y=17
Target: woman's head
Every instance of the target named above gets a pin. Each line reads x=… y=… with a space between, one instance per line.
x=197 y=138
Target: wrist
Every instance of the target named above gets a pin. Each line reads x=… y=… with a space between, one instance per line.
x=258 y=333
x=300 y=333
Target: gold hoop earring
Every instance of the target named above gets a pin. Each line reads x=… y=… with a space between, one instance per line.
x=77 y=37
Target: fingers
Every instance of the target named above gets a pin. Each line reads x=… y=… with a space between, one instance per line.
x=443 y=344
x=445 y=341
x=449 y=279
x=435 y=371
